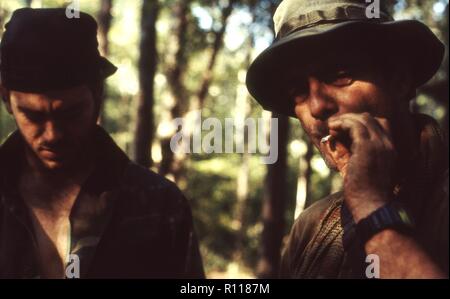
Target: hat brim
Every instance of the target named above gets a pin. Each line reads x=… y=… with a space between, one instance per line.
x=106 y=68
x=411 y=39
x=45 y=79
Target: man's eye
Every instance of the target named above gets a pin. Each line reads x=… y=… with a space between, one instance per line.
x=34 y=117
x=69 y=114
x=340 y=78
x=297 y=89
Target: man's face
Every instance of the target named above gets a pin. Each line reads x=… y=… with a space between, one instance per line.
x=354 y=85
x=55 y=125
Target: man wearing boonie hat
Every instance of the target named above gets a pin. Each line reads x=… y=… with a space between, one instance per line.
x=349 y=77
x=72 y=203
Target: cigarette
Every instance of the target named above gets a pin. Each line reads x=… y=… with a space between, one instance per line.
x=326 y=139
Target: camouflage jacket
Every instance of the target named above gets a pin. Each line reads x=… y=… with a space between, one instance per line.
x=315 y=245
x=127 y=222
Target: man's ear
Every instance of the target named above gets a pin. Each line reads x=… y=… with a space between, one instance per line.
x=5 y=94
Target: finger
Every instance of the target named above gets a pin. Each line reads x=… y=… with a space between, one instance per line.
x=386 y=127
x=355 y=129
x=373 y=127
x=378 y=128
x=380 y=140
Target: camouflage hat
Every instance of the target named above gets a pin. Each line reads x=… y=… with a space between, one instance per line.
x=304 y=28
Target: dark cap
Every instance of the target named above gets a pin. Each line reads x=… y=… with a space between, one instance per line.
x=43 y=49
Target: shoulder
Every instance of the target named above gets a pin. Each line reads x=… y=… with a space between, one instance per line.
x=437 y=208
x=432 y=221
x=307 y=221
x=437 y=205
x=144 y=190
x=443 y=185
x=305 y=227
x=137 y=176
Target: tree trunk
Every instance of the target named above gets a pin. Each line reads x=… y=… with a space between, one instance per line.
x=174 y=74
x=104 y=24
x=308 y=173
x=197 y=101
x=144 y=133
x=241 y=204
x=303 y=197
x=216 y=46
x=274 y=203
x=170 y=165
x=242 y=110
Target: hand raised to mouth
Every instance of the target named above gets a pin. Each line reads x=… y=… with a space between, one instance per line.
x=362 y=147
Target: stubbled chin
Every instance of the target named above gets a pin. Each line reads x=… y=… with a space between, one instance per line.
x=52 y=165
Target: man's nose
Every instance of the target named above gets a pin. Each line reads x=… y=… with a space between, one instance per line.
x=52 y=133
x=321 y=102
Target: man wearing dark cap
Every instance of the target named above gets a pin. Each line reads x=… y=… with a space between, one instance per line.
x=349 y=78
x=72 y=203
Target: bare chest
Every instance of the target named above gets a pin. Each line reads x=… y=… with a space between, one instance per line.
x=51 y=224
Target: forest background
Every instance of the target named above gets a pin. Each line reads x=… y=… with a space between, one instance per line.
x=178 y=56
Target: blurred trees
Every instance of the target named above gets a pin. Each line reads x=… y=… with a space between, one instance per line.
x=176 y=66
x=104 y=18
x=433 y=97
x=177 y=56
x=274 y=205
x=187 y=100
x=147 y=64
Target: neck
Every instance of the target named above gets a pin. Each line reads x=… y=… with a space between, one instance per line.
x=54 y=192
x=54 y=189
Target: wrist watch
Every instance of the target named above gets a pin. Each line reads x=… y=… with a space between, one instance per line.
x=391 y=215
